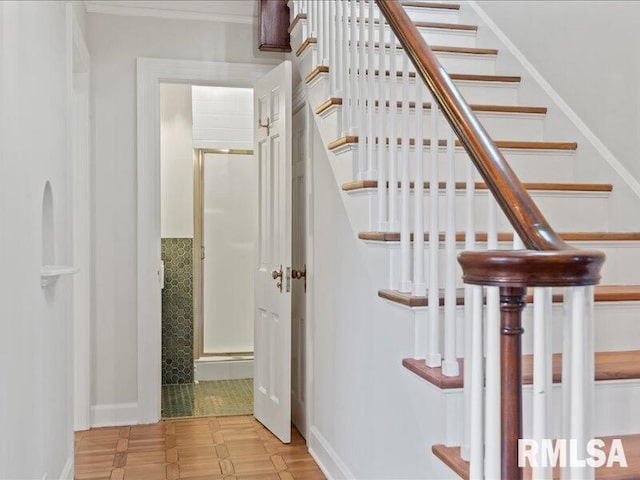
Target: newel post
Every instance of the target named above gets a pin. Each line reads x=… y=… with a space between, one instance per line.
x=511 y=306
x=513 y=271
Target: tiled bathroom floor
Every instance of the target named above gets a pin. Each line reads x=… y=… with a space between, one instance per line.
x=220 y=397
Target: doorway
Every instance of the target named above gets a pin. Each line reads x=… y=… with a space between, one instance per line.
x=208 y=212
x=151 y=73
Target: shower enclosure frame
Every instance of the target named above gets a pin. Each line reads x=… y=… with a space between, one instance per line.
x=199 y=252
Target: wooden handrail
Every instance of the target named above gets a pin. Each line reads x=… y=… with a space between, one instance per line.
x=513 y=198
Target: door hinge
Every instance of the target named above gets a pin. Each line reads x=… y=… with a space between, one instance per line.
x=201 y=252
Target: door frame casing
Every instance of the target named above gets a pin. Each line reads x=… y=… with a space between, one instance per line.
x=151 y=72
x=79 y=144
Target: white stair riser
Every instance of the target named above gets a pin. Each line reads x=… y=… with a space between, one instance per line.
x=614 y=403
x=474 y=92
x=529 y=165
x=614 y=272
x=617 y=328
x=566 y=211
x=439 y=36
x=500 y=125
x=439 y=15
x=417 y=14
x=452 y=62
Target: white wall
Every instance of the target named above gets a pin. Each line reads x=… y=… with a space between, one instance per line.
x=115 y=43
x=176 y=159
x=223 y=117
x=371 y=418
x=588 y=52
x=36 y=342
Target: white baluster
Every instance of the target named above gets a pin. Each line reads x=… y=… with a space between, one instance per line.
x=383 y=214
x=354 y=66
x=405 y=232
x=371 y=95
x=469 y=244
x=517 y=241
x=325 y=34
x=332 y=41
x=419 y=285
x=476 y=454
x=581 y=377
x=542 y=374
x=450 y=366
x=345 y=52
x=340 y=47
x=567 y=307
x=394 y=224
x=434 y=358
x=315 y=10
x=492 y=405
x=363 y=97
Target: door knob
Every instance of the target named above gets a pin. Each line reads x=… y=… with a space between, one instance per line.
x=278 y=275
x=299 y=275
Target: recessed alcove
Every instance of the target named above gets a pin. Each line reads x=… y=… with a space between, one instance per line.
x=50 y=271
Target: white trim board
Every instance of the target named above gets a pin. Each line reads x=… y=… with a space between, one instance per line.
x=150 y=73
x=67 y=472
x=136 y=10
x=79 y=144
x=326 y=457
x=113 y=415
x=573 y=117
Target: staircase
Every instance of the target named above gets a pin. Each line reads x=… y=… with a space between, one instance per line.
x=413 y=193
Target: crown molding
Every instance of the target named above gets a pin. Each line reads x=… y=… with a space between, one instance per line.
x=111 y=8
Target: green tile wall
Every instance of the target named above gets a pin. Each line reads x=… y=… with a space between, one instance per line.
x=177 y=311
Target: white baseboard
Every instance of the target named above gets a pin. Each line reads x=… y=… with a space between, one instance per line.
x=67 y=471
x=113 y=415
x=213 y=369
x=326 y=457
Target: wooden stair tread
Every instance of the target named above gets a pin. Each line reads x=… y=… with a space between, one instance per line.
x=603 y=293
x=450 y=456
x=299 y=17
x=427 y=106
x=508 y=237
x=608 y=366
x=512 y=144
x=565 y=187
x=305 y=44
x=315 y=72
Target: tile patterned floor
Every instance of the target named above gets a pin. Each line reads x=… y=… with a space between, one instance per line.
x=220 y=397
x=196 y=449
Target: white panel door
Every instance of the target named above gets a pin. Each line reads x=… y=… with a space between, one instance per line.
x=272 y=327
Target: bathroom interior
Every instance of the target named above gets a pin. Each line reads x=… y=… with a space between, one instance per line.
x=208 y=211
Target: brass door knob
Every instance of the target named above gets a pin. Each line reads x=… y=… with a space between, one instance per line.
x=298 y=274
x=278 y=275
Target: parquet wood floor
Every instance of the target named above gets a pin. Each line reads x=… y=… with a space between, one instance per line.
x=237 y=447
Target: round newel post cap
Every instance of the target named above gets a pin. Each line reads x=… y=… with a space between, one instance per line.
x=531 y=268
